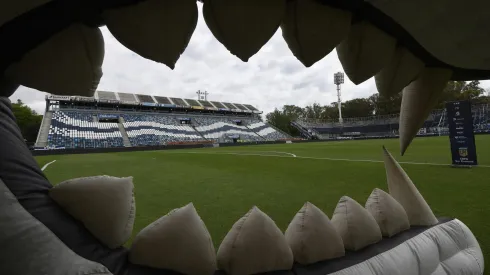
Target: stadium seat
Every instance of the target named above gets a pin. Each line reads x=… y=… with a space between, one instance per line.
x=266 y=131
x=222 y=128
x=144 y=130
x=70 y=129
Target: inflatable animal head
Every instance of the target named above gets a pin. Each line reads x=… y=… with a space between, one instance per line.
x=409 y=46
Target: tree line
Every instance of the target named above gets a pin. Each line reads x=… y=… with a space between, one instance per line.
x=372 y=105
x=28 y=121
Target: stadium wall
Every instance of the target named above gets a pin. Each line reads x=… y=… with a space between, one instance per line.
x=191 y=146
x=142 y=148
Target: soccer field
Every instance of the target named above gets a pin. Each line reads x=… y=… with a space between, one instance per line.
x=224 y=183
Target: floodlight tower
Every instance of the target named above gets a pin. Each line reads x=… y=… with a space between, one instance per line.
x=338 y=78
x=202 y=95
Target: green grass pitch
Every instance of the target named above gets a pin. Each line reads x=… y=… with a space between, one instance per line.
x=224 y=183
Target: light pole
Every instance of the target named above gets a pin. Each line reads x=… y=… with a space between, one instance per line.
x=202 y=95
x=338 y=78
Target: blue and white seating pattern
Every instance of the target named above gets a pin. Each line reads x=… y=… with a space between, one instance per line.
x=265 y=131
x=78 y=130
x=145 y=130
x=219 y=128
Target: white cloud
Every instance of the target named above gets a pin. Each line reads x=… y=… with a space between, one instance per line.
x=271 y=78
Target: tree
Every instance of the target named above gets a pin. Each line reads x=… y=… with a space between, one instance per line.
x=282 y=120
x=460 y=90
x=293 y=111
x=330 y=111
x=28 y=120
x=359 y=107
x=314 y=111
x=385 y=105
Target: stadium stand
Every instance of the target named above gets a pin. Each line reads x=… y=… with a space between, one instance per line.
x=266 y=131
x=192 y=102
x=387 y=125
x=229 y=105
x=219 y=105
x=250 y=107
x=142 y=120
x=162 y=100
x=126 y=97
x=179 y=101
x=240 y=106
x=106 y=95
x=481 y=119
x=146 y=130
x=78 y=129
x=206 y=103
x=145 y=98
x=223 y=129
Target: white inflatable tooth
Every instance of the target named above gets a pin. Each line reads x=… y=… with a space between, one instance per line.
x=418 y=99
x=312 y=237
x=355 y=225
x=388 y=213
x=69 y=63
x=400 y=71
x=105 y=205
x=178 y=241
x=155 y=29
x=243 y=26
x=312 y=30
x=403 y=190
x=254 y=245
x=365 y=51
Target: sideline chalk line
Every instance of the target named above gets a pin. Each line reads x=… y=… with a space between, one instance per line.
x=315 y=158
x=278 y=152
x=47 y=164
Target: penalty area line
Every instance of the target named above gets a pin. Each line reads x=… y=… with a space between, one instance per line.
x=289 y=155
x=47 y=164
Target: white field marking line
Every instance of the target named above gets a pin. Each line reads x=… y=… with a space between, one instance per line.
x=247 y=153
x=277 y=152
x=320 y=158
x=47 y=164
x=236 y=154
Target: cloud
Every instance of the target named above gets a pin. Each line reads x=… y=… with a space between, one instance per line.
x=271 y=78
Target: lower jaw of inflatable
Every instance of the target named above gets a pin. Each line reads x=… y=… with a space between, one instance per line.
x=446 y=248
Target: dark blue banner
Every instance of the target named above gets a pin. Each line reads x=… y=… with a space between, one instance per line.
x=461 y=136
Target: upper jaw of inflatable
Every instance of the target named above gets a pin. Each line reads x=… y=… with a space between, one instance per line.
x=368 y=40
x=383 y=15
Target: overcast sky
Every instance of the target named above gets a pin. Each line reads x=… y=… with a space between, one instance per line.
x=270 y=79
